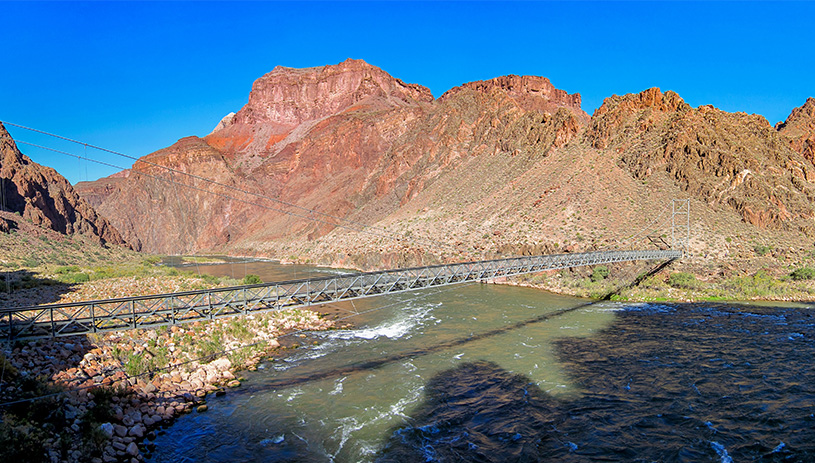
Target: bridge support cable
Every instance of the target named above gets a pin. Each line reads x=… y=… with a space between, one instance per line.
x=144 y=312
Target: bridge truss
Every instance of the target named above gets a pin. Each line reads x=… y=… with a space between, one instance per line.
x=57 y=320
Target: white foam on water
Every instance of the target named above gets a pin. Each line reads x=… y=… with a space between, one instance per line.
x=721 y=451
x=779 y=447
x=347 y=426
x=609 y=306
x=293 y=395
x=403 y=325
x=337 y=386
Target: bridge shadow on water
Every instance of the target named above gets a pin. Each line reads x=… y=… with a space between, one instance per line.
x=683 y=383
x=338 y=372
x=476 y=412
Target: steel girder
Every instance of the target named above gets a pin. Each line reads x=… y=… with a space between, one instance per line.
x=151 y=311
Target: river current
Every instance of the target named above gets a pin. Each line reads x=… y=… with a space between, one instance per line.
x=492 y=373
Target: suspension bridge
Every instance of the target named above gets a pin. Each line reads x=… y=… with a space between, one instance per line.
x=151 y=311
x=140 y=312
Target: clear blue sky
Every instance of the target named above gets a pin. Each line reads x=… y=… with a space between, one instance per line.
x=135 y=77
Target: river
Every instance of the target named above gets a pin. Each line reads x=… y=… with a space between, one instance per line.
x=483 y=372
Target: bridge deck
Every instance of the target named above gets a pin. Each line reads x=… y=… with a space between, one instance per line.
x=151 y=311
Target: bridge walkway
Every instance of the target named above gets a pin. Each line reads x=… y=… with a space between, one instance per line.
x=140 y=312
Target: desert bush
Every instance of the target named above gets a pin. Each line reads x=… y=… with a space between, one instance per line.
x=252 y=279
x=21 y=441
x=803 y=273
x=683 y=280
x=73 y=278
x=761 y=284
x=599 y=273
x=66 y=269
x=761 y=249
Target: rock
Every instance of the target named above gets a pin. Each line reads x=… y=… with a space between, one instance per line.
x=132 y=449
x=202 y=408
x=119 y=446
x=120 y=430
x=137 y=431
x=107 y=429
x=149 y=387
x=233 y=383
x=222 y=364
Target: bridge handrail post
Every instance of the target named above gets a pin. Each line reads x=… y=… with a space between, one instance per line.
x=53 y=323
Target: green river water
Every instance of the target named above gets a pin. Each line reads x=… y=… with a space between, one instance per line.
x=477 y=372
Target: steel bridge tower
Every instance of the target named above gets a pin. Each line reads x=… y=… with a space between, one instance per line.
x=680 y=225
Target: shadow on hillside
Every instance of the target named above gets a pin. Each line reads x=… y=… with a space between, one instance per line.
x=21 y=288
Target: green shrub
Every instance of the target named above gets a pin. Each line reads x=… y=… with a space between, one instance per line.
x=761 y=284
x=22 y=441
x=760 y=249
x=210 y=279
x=66 y=269
x=599 y=273
x=73 y=278
x=103 y=273
x=252 y=279
x=803 y=273
x=209 y=346
x=683 y=280
x=136 y=364
x=31 y=262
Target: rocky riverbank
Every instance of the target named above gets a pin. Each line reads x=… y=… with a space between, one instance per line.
x=104 y=398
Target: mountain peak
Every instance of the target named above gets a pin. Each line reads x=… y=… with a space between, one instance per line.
x=532 y=93
x=652 y=98
x=287 y=97
x=799 y=129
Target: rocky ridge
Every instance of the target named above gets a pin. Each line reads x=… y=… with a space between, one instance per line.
x=720 y=158
x=509 y=165
x=799 y=129
x=39 y=194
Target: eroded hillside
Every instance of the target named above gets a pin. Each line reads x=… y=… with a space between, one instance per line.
x=333 y=163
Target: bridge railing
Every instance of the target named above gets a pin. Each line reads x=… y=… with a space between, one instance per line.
x=55 y=320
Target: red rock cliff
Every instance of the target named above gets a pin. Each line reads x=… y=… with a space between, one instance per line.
x=44 y=197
